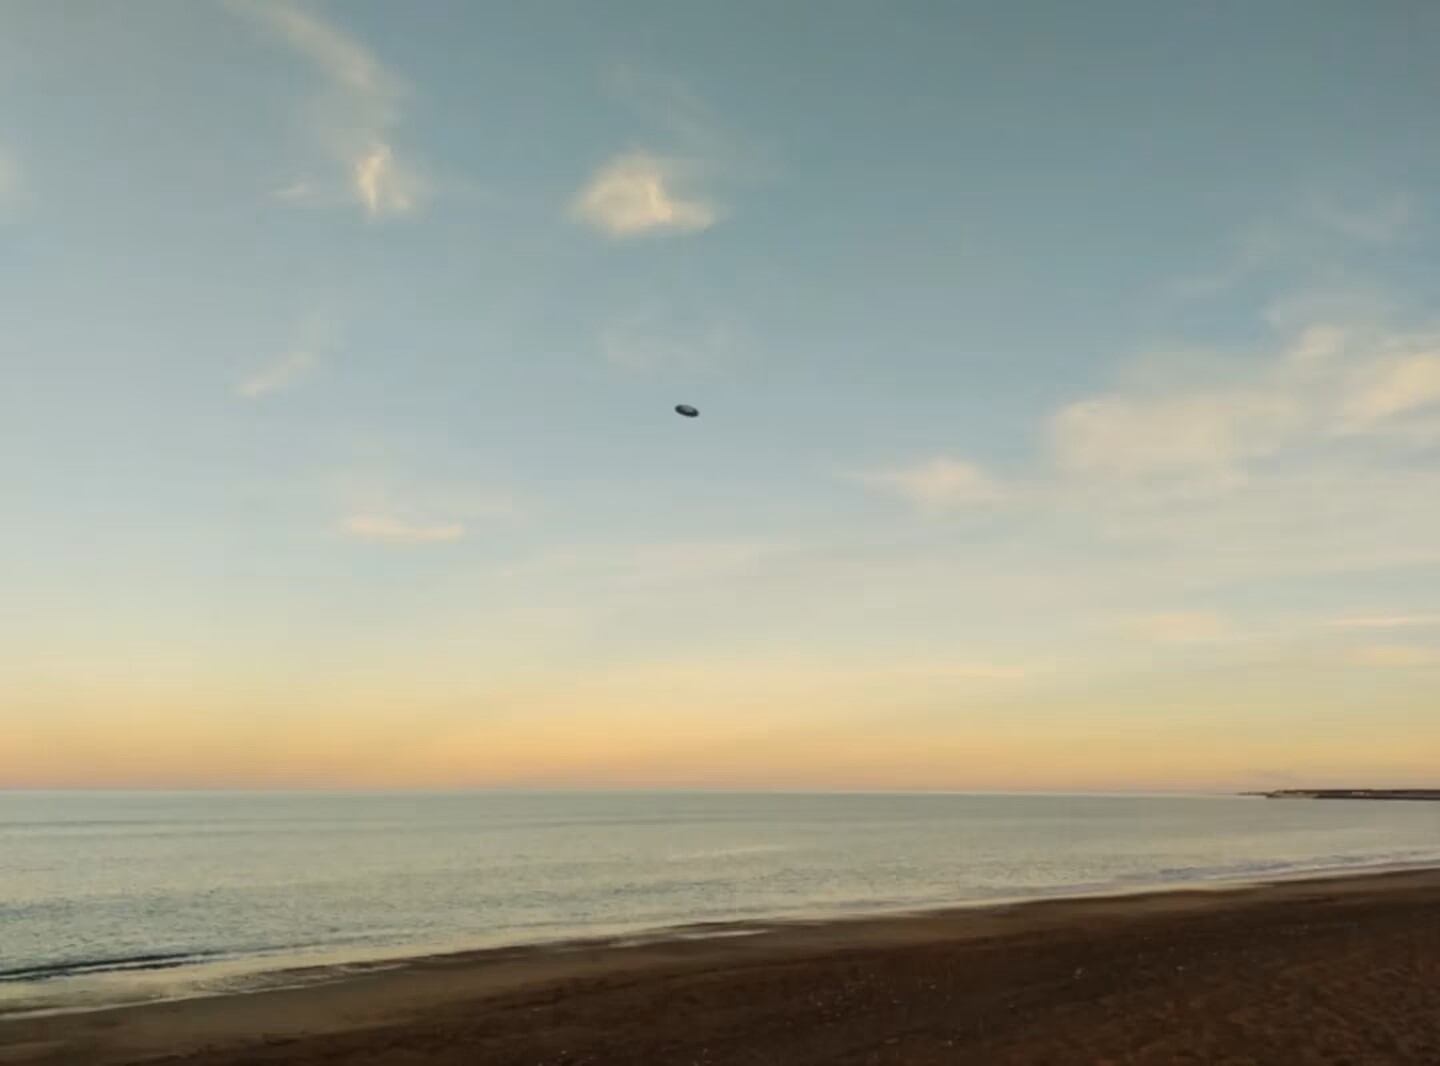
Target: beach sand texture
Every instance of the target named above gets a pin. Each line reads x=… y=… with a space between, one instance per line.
x=1334 y=972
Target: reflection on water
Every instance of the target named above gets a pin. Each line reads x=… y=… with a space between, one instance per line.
x=111 y=896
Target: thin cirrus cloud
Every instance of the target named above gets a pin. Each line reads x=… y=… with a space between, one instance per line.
x=1314 y=230
x=1129 y=437
x=655 y=565
x=353 y=118
x=652 y=340
x=1327 y=380
x=1332 y=403
x=279 y=375
x=372 y=511
x=390 y=529
x=1377 y=222
x=1397 y=656
x=1209 y=471
x=316 y=337
x=1386 y=621
x=1399 y=386
x=384 y=186
x=638 y=194
x=937 y=484
x=1180 y=627
x=1200 y=435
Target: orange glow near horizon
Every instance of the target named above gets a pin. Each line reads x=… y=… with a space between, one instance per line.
x=784 y=726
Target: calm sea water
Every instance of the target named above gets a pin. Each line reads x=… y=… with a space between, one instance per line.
x=106 y=897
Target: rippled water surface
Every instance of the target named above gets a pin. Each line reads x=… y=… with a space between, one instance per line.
x=108 y=896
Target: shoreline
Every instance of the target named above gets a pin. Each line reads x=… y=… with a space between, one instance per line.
x=227 y=977
x=397 y=1000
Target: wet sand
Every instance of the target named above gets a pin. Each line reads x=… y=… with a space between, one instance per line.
x=1337 y=971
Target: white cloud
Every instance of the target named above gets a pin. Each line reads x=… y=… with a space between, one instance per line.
x=281 y=374
x=1397 y=656
x=354 y=117
x=1195 y=477
x=1197 y=474
x=392 y=530
x=385 y=187
x=635 y=194
x=316 y=337
x=300 y=191
x=1322 y=380
x=1310 y=515
x=1395 y=387
x=937 y=484
x=1206 y=434
x=1317 y=345
x=388 y=505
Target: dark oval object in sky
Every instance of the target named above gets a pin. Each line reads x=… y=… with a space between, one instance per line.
x=686 y=410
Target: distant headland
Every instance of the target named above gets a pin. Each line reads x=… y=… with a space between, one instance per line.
x=1351 y=793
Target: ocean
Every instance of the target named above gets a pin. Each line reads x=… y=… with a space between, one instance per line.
x=114 y=897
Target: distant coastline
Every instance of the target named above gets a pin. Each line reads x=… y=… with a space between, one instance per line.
x=1351 y=793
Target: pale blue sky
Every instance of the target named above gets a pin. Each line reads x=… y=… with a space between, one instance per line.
x=1084 y=354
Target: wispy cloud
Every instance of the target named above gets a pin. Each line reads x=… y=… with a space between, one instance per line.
x=784 y=675
x=1206 y=435
x=1322 y=381
x=938 y=484
x=674 y=115
x=385 y=186
x=279 y=375
x=392 y=530
x=664 y=183
x=661 y=563
x=1397 y=656
x=300 y=191
x=354 y=117
x=654 y=340
x=638 y=193
x=1386 y=621
x=1200 y=470
x=1397 y=386
x=411 y=507
x=1264 y=475
x=1180 y=627
x=1373 y=221
x=946 y=670
x=1315 y=232
x=316 y=337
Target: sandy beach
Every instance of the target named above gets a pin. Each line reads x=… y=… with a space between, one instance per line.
x=1336 y=971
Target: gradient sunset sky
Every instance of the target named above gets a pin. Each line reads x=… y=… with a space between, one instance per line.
x=1069 y=378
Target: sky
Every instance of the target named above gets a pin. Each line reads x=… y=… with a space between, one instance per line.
x=1069 y=380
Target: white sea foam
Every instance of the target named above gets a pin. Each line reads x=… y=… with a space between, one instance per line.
x=120 y=897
